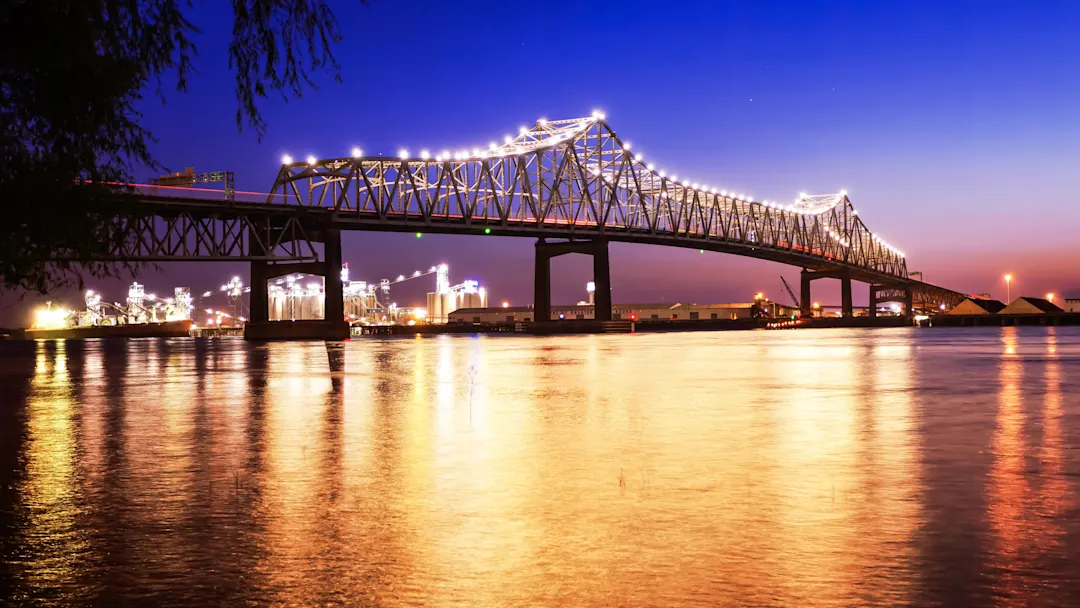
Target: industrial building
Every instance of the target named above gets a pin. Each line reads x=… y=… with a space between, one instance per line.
x=1030 y=306
x=296 y=297
x=977 y=306
x=302 y=297
x=665 y=311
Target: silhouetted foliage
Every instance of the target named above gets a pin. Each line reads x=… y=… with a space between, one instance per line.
x=71 y=72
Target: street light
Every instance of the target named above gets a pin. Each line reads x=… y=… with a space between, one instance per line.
x=1008 y=287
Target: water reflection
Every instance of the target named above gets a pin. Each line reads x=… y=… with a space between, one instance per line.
x=826 y=467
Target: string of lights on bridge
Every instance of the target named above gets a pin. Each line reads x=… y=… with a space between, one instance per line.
x=550 y=133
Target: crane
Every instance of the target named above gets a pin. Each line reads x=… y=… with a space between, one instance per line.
x=789 y=291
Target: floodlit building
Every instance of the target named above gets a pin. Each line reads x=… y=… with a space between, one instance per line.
x=1030 y=306
x=296 y=298
x=1072 y=304
x=446 y=298
x=977 y=306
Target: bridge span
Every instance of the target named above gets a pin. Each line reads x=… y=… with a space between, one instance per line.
x=573 y=185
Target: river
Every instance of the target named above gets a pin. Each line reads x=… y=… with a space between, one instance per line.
x=790 y=468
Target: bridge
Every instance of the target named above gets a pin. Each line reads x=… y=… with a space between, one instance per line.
x=573 y=185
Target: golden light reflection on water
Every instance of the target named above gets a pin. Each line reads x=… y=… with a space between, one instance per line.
x=694 y=469
x=51 y=491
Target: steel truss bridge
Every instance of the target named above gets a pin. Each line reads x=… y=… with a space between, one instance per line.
x=573 y=185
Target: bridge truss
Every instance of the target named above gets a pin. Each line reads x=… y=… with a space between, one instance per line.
x=577 y=179
x=162 y=230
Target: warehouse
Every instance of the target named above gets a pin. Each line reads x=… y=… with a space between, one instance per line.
x=656 y=311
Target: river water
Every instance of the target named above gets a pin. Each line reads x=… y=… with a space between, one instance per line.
x=796 y=468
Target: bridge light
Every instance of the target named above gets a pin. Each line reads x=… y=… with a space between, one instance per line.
x=487 y=230
x=542 y=122
x=419 y=234
x=424 y=154
x=507 y=139
x=662 y=173
x=723 y=193
x=649 y=166
x=626 y=145
x=286 y=160
x=357 y=152
x=311 y=160
x=843 y=193
x=403 y=153
x=492 y=145
x=693 y=185
x=674 y=177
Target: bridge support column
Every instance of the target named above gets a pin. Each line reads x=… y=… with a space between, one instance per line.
x=334 y=303
x=542 y=284
x=598 y=249
x=846 y=307
x=873 y=300
x=331 y=327
x=602 y=278
x=259 y=300
x=805 y=304
x=909 y=302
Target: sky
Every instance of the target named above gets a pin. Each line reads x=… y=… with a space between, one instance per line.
x=952 y=125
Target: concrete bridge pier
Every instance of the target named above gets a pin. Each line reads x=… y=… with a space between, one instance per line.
x=892 y=293
x=805 y=298
x=846 y=307
x=259 y=304
x=598 y=249
x=331 y=327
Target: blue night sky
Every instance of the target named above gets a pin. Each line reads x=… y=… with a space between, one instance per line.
x=952 y=125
